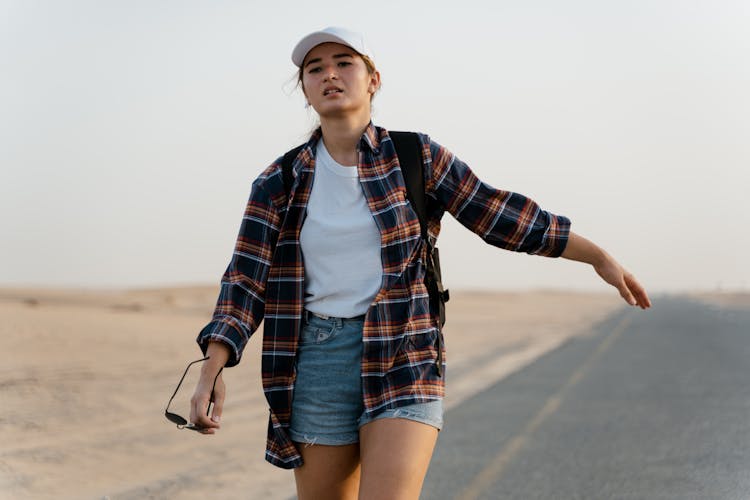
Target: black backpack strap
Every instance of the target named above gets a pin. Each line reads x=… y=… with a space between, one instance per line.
x=409 y=151
x=286 y=167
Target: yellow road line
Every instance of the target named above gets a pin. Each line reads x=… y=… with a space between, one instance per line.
x=492 y=472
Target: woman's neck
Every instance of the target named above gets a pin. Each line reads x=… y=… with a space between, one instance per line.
x=341 y=135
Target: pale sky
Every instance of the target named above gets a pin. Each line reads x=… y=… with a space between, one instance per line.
x=130 y=131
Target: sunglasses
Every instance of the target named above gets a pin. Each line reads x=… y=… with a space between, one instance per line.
x=182 y=422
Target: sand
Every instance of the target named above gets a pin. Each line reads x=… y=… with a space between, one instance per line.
x=85 y=377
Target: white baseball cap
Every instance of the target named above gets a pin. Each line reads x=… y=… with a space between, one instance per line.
x=331 y=34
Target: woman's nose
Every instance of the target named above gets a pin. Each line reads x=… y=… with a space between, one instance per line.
x=330 y=74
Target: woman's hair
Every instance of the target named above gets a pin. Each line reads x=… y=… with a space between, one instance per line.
x=368 y=63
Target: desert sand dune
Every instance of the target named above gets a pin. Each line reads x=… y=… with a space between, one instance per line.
x=85 y=377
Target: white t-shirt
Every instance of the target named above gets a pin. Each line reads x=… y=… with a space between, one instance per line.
x=340 y=242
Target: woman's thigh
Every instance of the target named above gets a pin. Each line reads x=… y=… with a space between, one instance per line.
x=329 y=472
x=326 y=404
x=395 y=454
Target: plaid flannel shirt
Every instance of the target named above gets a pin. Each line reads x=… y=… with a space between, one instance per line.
x=265 y=277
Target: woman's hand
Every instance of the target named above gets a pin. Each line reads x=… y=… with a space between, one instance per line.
x=580 y=249
x=614 y=274
x=199 y=403
x=204 y=423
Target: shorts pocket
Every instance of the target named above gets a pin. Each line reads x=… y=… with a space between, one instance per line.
x=317 y=334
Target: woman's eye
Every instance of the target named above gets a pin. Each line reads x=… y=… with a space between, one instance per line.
x=314 y=70
x=344 y=63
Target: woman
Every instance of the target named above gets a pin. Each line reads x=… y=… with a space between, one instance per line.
x=349 y=347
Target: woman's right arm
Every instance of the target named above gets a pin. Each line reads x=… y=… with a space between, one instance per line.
x=241 y=303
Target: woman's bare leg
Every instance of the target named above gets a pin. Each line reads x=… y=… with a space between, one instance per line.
x=395 y=455
x=329 y=472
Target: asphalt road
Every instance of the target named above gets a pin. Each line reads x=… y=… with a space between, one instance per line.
x=654 y=404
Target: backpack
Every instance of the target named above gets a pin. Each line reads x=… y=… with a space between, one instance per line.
x=409 y=151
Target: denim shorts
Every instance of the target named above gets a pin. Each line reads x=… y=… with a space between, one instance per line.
x=327 y=403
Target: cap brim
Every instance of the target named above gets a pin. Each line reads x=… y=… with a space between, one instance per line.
x=312 y=40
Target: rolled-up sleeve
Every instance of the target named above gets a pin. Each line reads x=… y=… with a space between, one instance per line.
x=504 y=219
x=241 y=304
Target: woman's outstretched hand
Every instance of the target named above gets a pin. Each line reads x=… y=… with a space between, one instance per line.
x=200 y=419
x=580 y=249
x=630 y=290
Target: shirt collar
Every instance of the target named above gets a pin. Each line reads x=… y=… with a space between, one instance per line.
x=370 y=138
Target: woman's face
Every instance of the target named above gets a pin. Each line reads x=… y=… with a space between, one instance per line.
x=336 y=80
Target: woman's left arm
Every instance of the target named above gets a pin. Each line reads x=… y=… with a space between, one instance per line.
x=515 y=222
x=580 y=249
